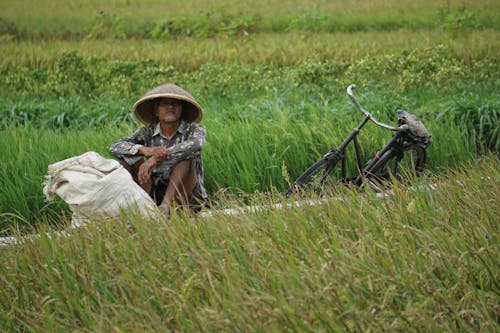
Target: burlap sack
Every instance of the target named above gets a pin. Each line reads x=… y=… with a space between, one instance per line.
x=96 y=187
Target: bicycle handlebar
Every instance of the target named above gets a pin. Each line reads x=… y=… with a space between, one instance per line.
x=369 y=115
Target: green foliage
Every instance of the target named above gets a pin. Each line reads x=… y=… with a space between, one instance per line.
x=311 y=21
x=481 y=115
x=414 y=69
x=204 y=25
x=271 y=77
x=107 y=25
x=280 y=132
x=67 y=112
x=317 y=21
x=457 y=21
x=426 y=260
x=72 y=76
x=305 y=101
x=56 y=19
x=10 y=31
x=71 y=73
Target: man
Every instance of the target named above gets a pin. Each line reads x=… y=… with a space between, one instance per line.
x=164 y=157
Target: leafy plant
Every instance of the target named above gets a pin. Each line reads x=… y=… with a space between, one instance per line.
x=72 y=76
x=457 y=21
x=203 y=25
x=107 y=25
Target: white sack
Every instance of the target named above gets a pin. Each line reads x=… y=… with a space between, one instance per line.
x=94 y=186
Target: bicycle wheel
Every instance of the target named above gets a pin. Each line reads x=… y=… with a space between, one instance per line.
x=314 y=179
x=403 y=164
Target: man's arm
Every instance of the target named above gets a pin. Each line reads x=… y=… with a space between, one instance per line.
x=128 y=148
x=191 y=146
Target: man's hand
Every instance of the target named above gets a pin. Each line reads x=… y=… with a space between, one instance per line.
x=145 y=170
x=160 y=153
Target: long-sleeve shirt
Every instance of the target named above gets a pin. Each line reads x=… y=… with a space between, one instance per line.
x=187 y=143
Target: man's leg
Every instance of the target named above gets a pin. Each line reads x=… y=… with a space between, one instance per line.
x=181 y=184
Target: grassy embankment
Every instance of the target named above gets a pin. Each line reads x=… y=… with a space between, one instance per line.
x=423 y=261
x=276 y=77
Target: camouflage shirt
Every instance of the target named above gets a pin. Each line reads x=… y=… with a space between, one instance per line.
x=186 y=143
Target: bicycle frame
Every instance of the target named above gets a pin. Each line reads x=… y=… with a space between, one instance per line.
x=353 y=137
x=338 y=154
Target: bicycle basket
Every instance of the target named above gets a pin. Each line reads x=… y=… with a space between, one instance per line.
x=417 y=130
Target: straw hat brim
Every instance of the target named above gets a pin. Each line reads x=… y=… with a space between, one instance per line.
x=144 y=108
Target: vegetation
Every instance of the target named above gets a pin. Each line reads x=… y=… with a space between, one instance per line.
x=27 y=19
x=426 y=260
x=271 y=77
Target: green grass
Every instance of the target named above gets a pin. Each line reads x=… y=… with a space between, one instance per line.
x=287 y=112
x=422 y=261
x=271 y=77
x=291 y=48
x=277 y=139
x=118 y=19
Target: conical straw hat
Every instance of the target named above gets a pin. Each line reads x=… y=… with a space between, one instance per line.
x=144 y=108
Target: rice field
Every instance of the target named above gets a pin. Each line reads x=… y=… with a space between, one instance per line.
x=422 y=261
x=271 y=78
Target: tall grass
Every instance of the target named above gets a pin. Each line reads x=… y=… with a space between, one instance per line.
x=30 y=151
x=259 y=145
x=271 y=77
x=59 y=19
x=285 y=117
x=291 y=48
x=422 y=261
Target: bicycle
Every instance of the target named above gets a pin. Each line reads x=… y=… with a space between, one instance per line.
x=404 y=155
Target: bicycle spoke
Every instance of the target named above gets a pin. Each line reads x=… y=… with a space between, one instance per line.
x=404 y=166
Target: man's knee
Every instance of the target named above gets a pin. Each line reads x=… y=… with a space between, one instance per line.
x=183 y=177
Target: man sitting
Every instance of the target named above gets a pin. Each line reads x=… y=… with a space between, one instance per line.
x=164 y=157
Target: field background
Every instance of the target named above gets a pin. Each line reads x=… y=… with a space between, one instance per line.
x=271 y=78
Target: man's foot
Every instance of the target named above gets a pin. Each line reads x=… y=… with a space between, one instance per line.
x=165 y=210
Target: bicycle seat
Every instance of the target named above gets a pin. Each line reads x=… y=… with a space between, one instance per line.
x=416 y=128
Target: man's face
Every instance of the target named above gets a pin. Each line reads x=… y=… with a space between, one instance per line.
x=169 y=110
